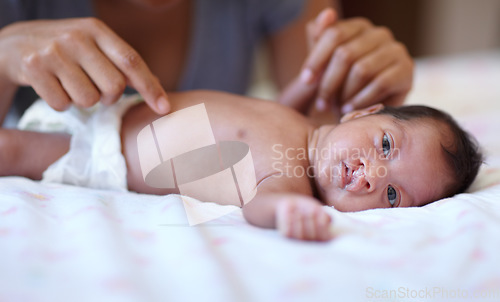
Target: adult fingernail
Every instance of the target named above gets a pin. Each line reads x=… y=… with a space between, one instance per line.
x=322 y=15
x=306 y=76
x=347 y=108
x=321 y=105
x=162 y=105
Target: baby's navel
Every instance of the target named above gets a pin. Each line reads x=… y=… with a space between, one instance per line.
x=241 y=134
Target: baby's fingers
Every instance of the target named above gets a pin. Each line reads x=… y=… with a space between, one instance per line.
x=304 y=220
x=313 y=225
x=298 y=225
x=284 y=219
x=323 y=223
x=316 y=225
x=310 y=229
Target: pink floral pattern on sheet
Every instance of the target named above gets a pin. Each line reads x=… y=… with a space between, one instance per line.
x=142 y=236
x=9 y=211
x=118 y=284
x=4 y=232
x=299 y=287
x=220 y=241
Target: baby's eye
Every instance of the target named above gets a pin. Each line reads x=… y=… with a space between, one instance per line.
x=386 y=145
x=392 y=195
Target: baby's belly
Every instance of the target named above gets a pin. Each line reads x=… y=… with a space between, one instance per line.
x=179 y=154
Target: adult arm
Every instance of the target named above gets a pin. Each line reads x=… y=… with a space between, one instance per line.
x=79 y=61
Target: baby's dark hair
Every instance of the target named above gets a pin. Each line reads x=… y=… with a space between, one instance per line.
x=463 y=155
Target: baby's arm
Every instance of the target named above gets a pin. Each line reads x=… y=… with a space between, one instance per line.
x=28 y=154
x=295 y=215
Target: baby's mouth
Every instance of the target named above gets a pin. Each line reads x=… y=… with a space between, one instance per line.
x=352 y=178
x=347 y=176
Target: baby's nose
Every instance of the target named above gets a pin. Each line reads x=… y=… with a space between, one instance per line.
x=367 y=176
x=375 y=174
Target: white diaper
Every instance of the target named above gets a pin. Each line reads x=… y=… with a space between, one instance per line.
x=94 y=159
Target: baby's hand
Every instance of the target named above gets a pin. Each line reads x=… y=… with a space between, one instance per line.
x=303 y=218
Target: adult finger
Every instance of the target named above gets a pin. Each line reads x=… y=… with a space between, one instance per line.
x=48 y=88
x=364 y=70
x=299 y=94
x=106 y=77
x=137 y=73
x=75 y=82
x=385 y=85
x=316 y=27
x=45 y=83
x=343 y=58
x=332 y=37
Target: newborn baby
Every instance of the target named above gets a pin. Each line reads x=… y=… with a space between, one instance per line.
x=375 y=158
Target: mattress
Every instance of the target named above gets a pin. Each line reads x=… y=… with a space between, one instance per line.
x=66 y=243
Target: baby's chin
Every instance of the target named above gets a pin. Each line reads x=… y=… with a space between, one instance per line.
x=346 y=202
x=340 y=203
x=343 y=207
x=340 y=206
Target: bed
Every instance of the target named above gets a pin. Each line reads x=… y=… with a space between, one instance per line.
x=65 y=243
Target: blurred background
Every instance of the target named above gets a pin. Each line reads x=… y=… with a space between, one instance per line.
x=434 y=27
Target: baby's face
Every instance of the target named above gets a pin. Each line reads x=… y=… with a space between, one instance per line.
x=378 y=161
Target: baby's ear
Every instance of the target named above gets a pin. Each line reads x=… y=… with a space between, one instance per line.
x=362 y=112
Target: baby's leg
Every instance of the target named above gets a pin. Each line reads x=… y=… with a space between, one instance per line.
x=28 y=154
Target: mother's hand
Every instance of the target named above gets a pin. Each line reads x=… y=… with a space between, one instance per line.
x=351 y=64
x=79 y=61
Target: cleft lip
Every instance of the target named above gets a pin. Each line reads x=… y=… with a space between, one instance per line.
x=357 y=180
x=342 y=175
x=346 y=173
x=352 y=179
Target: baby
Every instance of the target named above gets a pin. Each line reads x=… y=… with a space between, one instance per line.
x=375 y=158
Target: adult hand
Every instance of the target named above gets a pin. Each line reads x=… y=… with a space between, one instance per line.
x=80 y=61
x=351 y=64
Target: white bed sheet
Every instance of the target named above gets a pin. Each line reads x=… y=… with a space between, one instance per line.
x=64 y=243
